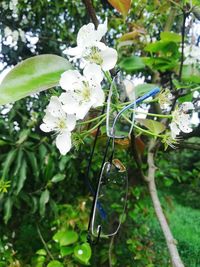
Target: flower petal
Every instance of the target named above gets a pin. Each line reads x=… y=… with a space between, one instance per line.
x=101 y=30
x=174 y=130
x=63 y=142
x=130 y=90
x=184 y=123
x=187 y=106
x=98 y=96
x=70 y=103
x=73 y=51
x=86 y=36
x=71 y=122
x=70 y=79
x=45 y=128
x=83 y=110
x=55 y=107
x=93 y=72
x=50 y=119
x=109 y=56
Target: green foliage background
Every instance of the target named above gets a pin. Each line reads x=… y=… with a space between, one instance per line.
x=44 y=214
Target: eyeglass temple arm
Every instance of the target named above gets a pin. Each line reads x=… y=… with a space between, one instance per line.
x=151 y=93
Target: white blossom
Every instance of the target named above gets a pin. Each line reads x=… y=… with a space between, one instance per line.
x=58 y=121
x=181 y=120
x=82 y=91
x=192 y=53
x=7 y=31
x=90 y=49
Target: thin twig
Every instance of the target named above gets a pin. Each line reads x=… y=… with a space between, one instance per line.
x=171 y=242
x=110 y=250
x=44 y=243
x=182 y=45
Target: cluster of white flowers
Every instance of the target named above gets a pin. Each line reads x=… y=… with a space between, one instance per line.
x=181 y=119
x=191 y=53
x=11 y=37
x=81 y=91
x=12 y=5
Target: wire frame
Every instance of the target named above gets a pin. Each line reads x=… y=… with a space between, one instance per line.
x=121 y=91
x=111 y=196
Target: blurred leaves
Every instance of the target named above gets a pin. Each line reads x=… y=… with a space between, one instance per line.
x=55 y=264
x=44 y=199
x=132 y=64
x=58 y=178
x=122 y=6
x=154 y=126
x=144 y=88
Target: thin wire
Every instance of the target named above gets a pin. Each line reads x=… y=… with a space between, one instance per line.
x=137 y=101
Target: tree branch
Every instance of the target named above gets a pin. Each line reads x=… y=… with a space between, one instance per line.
x=91 y=12
x=44 y=243
x=182 y=45
x=171 y=242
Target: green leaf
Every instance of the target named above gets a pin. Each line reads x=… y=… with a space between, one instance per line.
x=65 y=238
x=8 y=209
x=41 y=252
x=33 y=162
x=186 y=98
x=196 y=11
x=34 y=204
x=9 y=160
x=55 y=264
x=19 y=161
x=58 y=177
x=83 y=253
x=22 y=176
x=3 y=143
x=23 y=136
x=154 y=126
x=32 y=75
x=40 y=259
x=65 y=251
x=44 y=199
x=169 y=49
x=161 y=63
x=132 y=63
x=142 y=89
x=170 y=37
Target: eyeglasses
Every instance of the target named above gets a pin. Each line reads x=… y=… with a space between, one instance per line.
x=111 y=193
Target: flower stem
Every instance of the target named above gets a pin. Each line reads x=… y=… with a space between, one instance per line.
x=93 y=128
x=108 y=76
x=92 y=120
x=147 y=132
x=154 y=115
